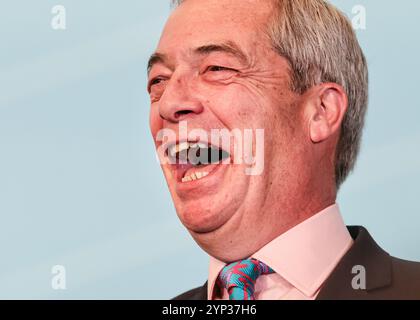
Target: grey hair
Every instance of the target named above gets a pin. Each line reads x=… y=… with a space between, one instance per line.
x=320 y=45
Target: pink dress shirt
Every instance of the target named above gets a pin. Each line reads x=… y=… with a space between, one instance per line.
x=302 y=258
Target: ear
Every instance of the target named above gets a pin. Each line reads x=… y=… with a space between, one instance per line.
x=326 y=108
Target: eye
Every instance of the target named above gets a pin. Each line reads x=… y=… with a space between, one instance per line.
x=219 y=68
x=155 y=81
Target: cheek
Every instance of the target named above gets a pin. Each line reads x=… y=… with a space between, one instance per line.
x=155 y=121
x=237 y=106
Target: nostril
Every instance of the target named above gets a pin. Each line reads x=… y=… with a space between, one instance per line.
x=181 y=113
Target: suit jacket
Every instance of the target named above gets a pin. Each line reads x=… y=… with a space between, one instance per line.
x=386 y=277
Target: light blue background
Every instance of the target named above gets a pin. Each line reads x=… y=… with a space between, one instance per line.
x=79 y=184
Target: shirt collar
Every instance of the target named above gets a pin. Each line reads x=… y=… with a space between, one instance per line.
x=305 y=255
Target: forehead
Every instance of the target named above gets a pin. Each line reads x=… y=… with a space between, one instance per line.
x=197 y=22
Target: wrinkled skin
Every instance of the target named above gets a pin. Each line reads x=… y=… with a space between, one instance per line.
x=230 y=214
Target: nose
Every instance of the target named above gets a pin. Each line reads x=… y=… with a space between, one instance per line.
x=178 y=102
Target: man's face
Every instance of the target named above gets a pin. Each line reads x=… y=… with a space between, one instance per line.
x=216 y=69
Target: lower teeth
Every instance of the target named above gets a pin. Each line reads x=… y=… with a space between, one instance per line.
x=195 y=176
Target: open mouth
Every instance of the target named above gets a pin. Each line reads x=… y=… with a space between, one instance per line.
x=195 y=160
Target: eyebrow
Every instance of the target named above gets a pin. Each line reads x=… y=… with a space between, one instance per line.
x=154 y=59
x=227 y=47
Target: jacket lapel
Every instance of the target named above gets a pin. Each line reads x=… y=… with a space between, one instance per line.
x=201 y=293
x=364 y=255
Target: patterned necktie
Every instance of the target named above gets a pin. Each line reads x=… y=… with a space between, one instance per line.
x=239 y=278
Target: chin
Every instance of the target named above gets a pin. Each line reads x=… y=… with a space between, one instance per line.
x=200 y=216
x=207 y=212
x=221 y=238
x=222 y=246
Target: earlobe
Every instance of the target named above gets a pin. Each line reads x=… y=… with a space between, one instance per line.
x=328 y=110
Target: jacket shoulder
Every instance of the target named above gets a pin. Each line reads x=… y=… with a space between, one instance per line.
x=385 y=277
x=405 y=279
x=199 y=293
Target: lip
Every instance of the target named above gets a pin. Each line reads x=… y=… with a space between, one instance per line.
x=171 y=143
x=178 y=169
x=166 y=146
x=206 y=184
x=208 y=181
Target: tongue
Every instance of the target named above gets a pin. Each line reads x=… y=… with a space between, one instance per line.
x=182 y=170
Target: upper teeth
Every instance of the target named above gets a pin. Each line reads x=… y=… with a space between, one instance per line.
x=182 y=146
